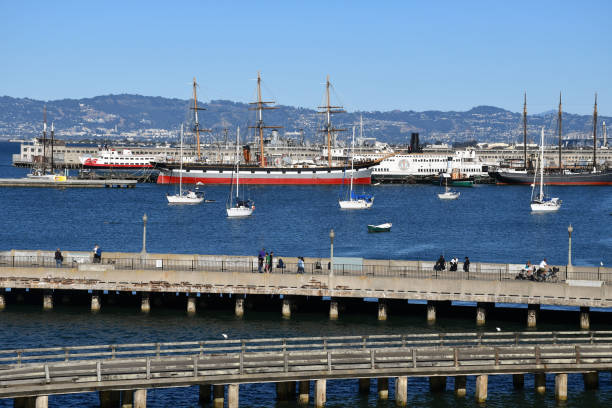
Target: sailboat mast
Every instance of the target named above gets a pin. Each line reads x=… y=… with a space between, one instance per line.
x=559 y=121
x=52 y=139
x=197 y=123
x=237 y=162
x=525 y=131
x=595 y=134
x=181 y=164
x=352 y=160
x=44 y=156
x=542 y=165
x=260 y=106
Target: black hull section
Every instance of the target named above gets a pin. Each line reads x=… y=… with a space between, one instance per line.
x=579 y=179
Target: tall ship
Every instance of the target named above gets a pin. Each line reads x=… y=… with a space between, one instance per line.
x=260 y=167
x=595 y=174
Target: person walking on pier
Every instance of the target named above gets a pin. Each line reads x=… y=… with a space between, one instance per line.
x=270 y=261
x=300 y=265
x=466 y=264
x=59 y=258
x=260 y=260
x=267 y=262
x=97 y=254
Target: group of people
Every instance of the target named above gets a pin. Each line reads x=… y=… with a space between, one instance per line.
x=453 y=264
x=538 y=273
x=265 y=261
x=59 y=257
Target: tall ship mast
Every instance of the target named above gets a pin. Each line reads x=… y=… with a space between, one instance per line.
x=274 y=168
x=559 y=121
x=328 y=110
x=260 y=106
x=595 y=135
x=525 y=132
x=196 y=125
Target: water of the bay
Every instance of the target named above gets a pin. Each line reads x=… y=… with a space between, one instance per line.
x=487 y=223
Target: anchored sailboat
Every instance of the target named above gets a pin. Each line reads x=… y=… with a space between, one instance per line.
x=541 y=203
x=189 y=197
x=356 y=201
x=236 y=206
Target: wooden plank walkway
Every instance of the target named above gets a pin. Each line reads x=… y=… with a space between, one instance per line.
x=61 y=370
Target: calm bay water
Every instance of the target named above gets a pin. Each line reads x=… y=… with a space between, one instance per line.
x=487 y=223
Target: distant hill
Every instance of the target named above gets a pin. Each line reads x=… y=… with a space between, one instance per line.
x=157 y=118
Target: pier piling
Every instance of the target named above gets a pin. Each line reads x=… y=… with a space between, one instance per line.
x=145 y=303
x=95 y=302
x=481 y=313
x=233 y=393
x=204 y=397
x=239 y=308
x=585 y=321
x=481 y=388
x=218 y=395
x=561 y=387
x=127 y=399
x=460 y=386
x=401 y=391
x=539 y=382
x=383 y=388
x=286 y=308
x=382 y=310
x=110 y=399
x=2 y=302
x=532 y=314
x=333 y=309
x=591 y=380
x=47 y=300
x=191 y=305
x=304 y=395
x=431 y=312
x=140 y=398
x=320 y=393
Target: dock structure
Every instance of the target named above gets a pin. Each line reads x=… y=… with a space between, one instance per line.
x=67 y=183
x=124 y=372
x=35 y=273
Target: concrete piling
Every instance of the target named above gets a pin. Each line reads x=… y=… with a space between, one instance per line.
x=320 y=391
x=481 y=314
x=140 y=398
x=47 y=300
x=364 y=385
x=382 y=310
x=218 y=395
x=233 y=394
x=191 y=305
x=145 y=303
x=286 y=309
x=532 y=315
x=2 y=302
x=460 y=386
x=561 y=387
x=95 y=302
x=40 y=401
x=437 y=384
x=539 y=382
x=204 y=394
x=239 y=308
x=482 y=382
x=304 y=392
x=383 y=388
x=518 y=381
x=401 y=391
x=333 y=309
x=431 y=312
x=585 y=321
x=591 y=380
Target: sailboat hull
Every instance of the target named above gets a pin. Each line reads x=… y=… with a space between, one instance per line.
x=356 y=204
x=576 y=179
x=184 y=199
x=239 y=211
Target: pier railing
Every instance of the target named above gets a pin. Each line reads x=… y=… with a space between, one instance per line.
x=417 y=269
x=85 y=368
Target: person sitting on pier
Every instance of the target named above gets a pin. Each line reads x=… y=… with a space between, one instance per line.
x=453 y=264
x=541 y=271
x=440 y=264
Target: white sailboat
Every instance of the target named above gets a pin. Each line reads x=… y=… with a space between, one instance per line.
x=356 y=201
x=189 y=197
x=237 y=207
x=448 y=194
x=540 y=202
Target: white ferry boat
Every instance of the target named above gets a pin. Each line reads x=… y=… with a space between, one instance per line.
x=124 y=159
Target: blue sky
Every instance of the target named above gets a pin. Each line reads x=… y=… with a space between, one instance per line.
x=407 y=55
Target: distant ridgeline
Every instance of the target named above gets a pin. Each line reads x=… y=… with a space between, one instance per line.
x=146 y=117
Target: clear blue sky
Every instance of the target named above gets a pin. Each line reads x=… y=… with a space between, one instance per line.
x=384 y=55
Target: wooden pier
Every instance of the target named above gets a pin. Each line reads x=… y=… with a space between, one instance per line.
x=126 y=371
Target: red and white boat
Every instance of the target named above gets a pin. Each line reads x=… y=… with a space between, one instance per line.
x=123 y=159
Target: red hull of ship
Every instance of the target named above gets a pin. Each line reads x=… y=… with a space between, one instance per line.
x=165 y=179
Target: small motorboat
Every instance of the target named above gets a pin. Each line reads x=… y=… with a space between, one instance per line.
x=386 y=227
